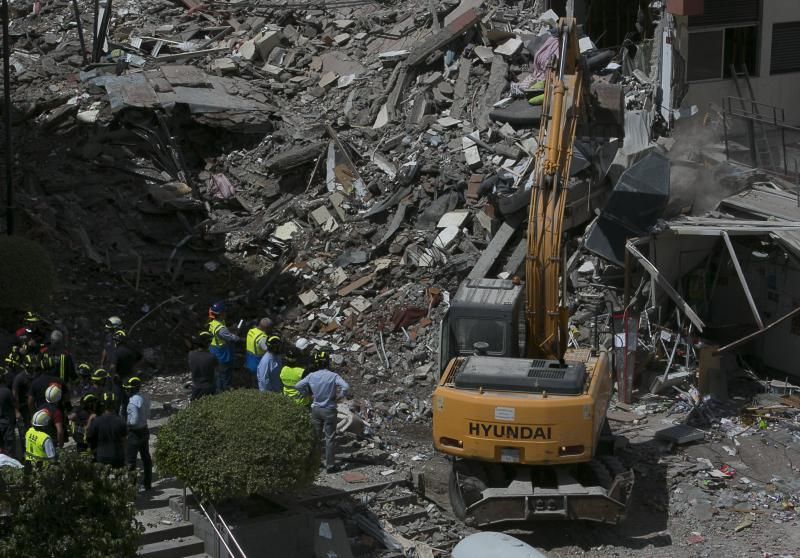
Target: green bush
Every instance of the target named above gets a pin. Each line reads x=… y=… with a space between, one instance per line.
x=71 y=508
x=26 y=273
x=239 y=443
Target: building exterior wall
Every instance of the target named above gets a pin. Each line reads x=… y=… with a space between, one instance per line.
x=780 y=90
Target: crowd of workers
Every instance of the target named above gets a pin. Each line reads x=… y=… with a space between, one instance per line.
x=45 y=399
x=271 y=366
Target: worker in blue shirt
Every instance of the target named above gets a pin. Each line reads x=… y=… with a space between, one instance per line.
x=221 y=345
x=269 y=367
x=325 y=387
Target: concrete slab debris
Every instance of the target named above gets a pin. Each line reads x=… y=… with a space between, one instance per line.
x=308 y=298
x=454 y=219
x=286 y=231
x=509 y=48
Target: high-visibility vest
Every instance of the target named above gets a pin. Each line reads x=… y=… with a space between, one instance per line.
x=254 y=337
x=214 y=327
x=290 y=375
x=34 y=446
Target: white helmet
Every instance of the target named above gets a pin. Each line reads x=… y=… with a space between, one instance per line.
x=41 y=419
x=53 y=393
x=114 y=322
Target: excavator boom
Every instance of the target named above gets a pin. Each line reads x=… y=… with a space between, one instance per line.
x=564 y=90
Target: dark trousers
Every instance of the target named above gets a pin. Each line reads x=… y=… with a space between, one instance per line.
x=324 y=421
x=139 y=444
x=224 y=376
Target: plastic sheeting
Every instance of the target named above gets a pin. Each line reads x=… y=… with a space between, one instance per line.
x=635 y=204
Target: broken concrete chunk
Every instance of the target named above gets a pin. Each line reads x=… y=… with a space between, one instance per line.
x=338 y=276
x=509 y=48
x=272 y=70
x=383 y=163
x=446 y=237
x=248 y=50
x=360 y=304
x=328 y=79
x=382 y=118
x=453 y=219
x=471 y=154
x=448 y=122
x=224 y=65
x=341 y=39
x=266 y=41
x=308 y=298
x=286 y=231
x=484 y=54
x=324 y=219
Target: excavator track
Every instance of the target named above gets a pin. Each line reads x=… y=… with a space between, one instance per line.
x=595 y=491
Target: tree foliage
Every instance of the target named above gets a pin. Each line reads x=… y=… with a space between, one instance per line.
x=71 y=508
x=239 y=443
x=26 y=274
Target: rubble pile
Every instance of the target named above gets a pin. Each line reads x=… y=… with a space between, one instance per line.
x=342 y=167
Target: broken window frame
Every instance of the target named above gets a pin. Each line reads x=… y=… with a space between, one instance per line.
x=724 y=62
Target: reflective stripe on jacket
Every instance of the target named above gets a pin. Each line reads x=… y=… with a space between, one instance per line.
x=254 y=337
x=214 y=328
x=290 y=375
x=34 y=445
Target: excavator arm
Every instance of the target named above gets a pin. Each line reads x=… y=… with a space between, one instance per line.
x=546 y=310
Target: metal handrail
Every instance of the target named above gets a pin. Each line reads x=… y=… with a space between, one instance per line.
x=230 y=533
x=219 y=535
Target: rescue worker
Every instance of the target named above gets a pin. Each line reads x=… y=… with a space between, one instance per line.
x=138 y=432
x=21 y=388
x=63 y=365
x=221 y=345
x=269 y=367
x=291 y=373
x=256 y=347
x=81 y=418
x=39 y=448
x=31 y=331
x=112 y=324
x=326 y=387
x=123 y=366
x=52 y=408
x=202 y=365
x=40 y=383
x=97 y=383
x=106 y=434
x=84 y=377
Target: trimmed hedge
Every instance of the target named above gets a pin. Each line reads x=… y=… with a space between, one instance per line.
x=27 y=275
x=239 y=443
x=73 y=507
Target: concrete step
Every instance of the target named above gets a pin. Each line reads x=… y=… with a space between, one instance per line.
x=163 y=532
x=173 y=548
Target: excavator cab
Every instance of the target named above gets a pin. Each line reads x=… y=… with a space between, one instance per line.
x=486 y=311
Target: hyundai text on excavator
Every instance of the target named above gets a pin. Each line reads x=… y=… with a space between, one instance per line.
x=521 y=415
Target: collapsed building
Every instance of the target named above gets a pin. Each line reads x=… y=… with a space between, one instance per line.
x=345 y=165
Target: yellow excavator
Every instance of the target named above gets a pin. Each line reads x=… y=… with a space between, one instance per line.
x=522 y=416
